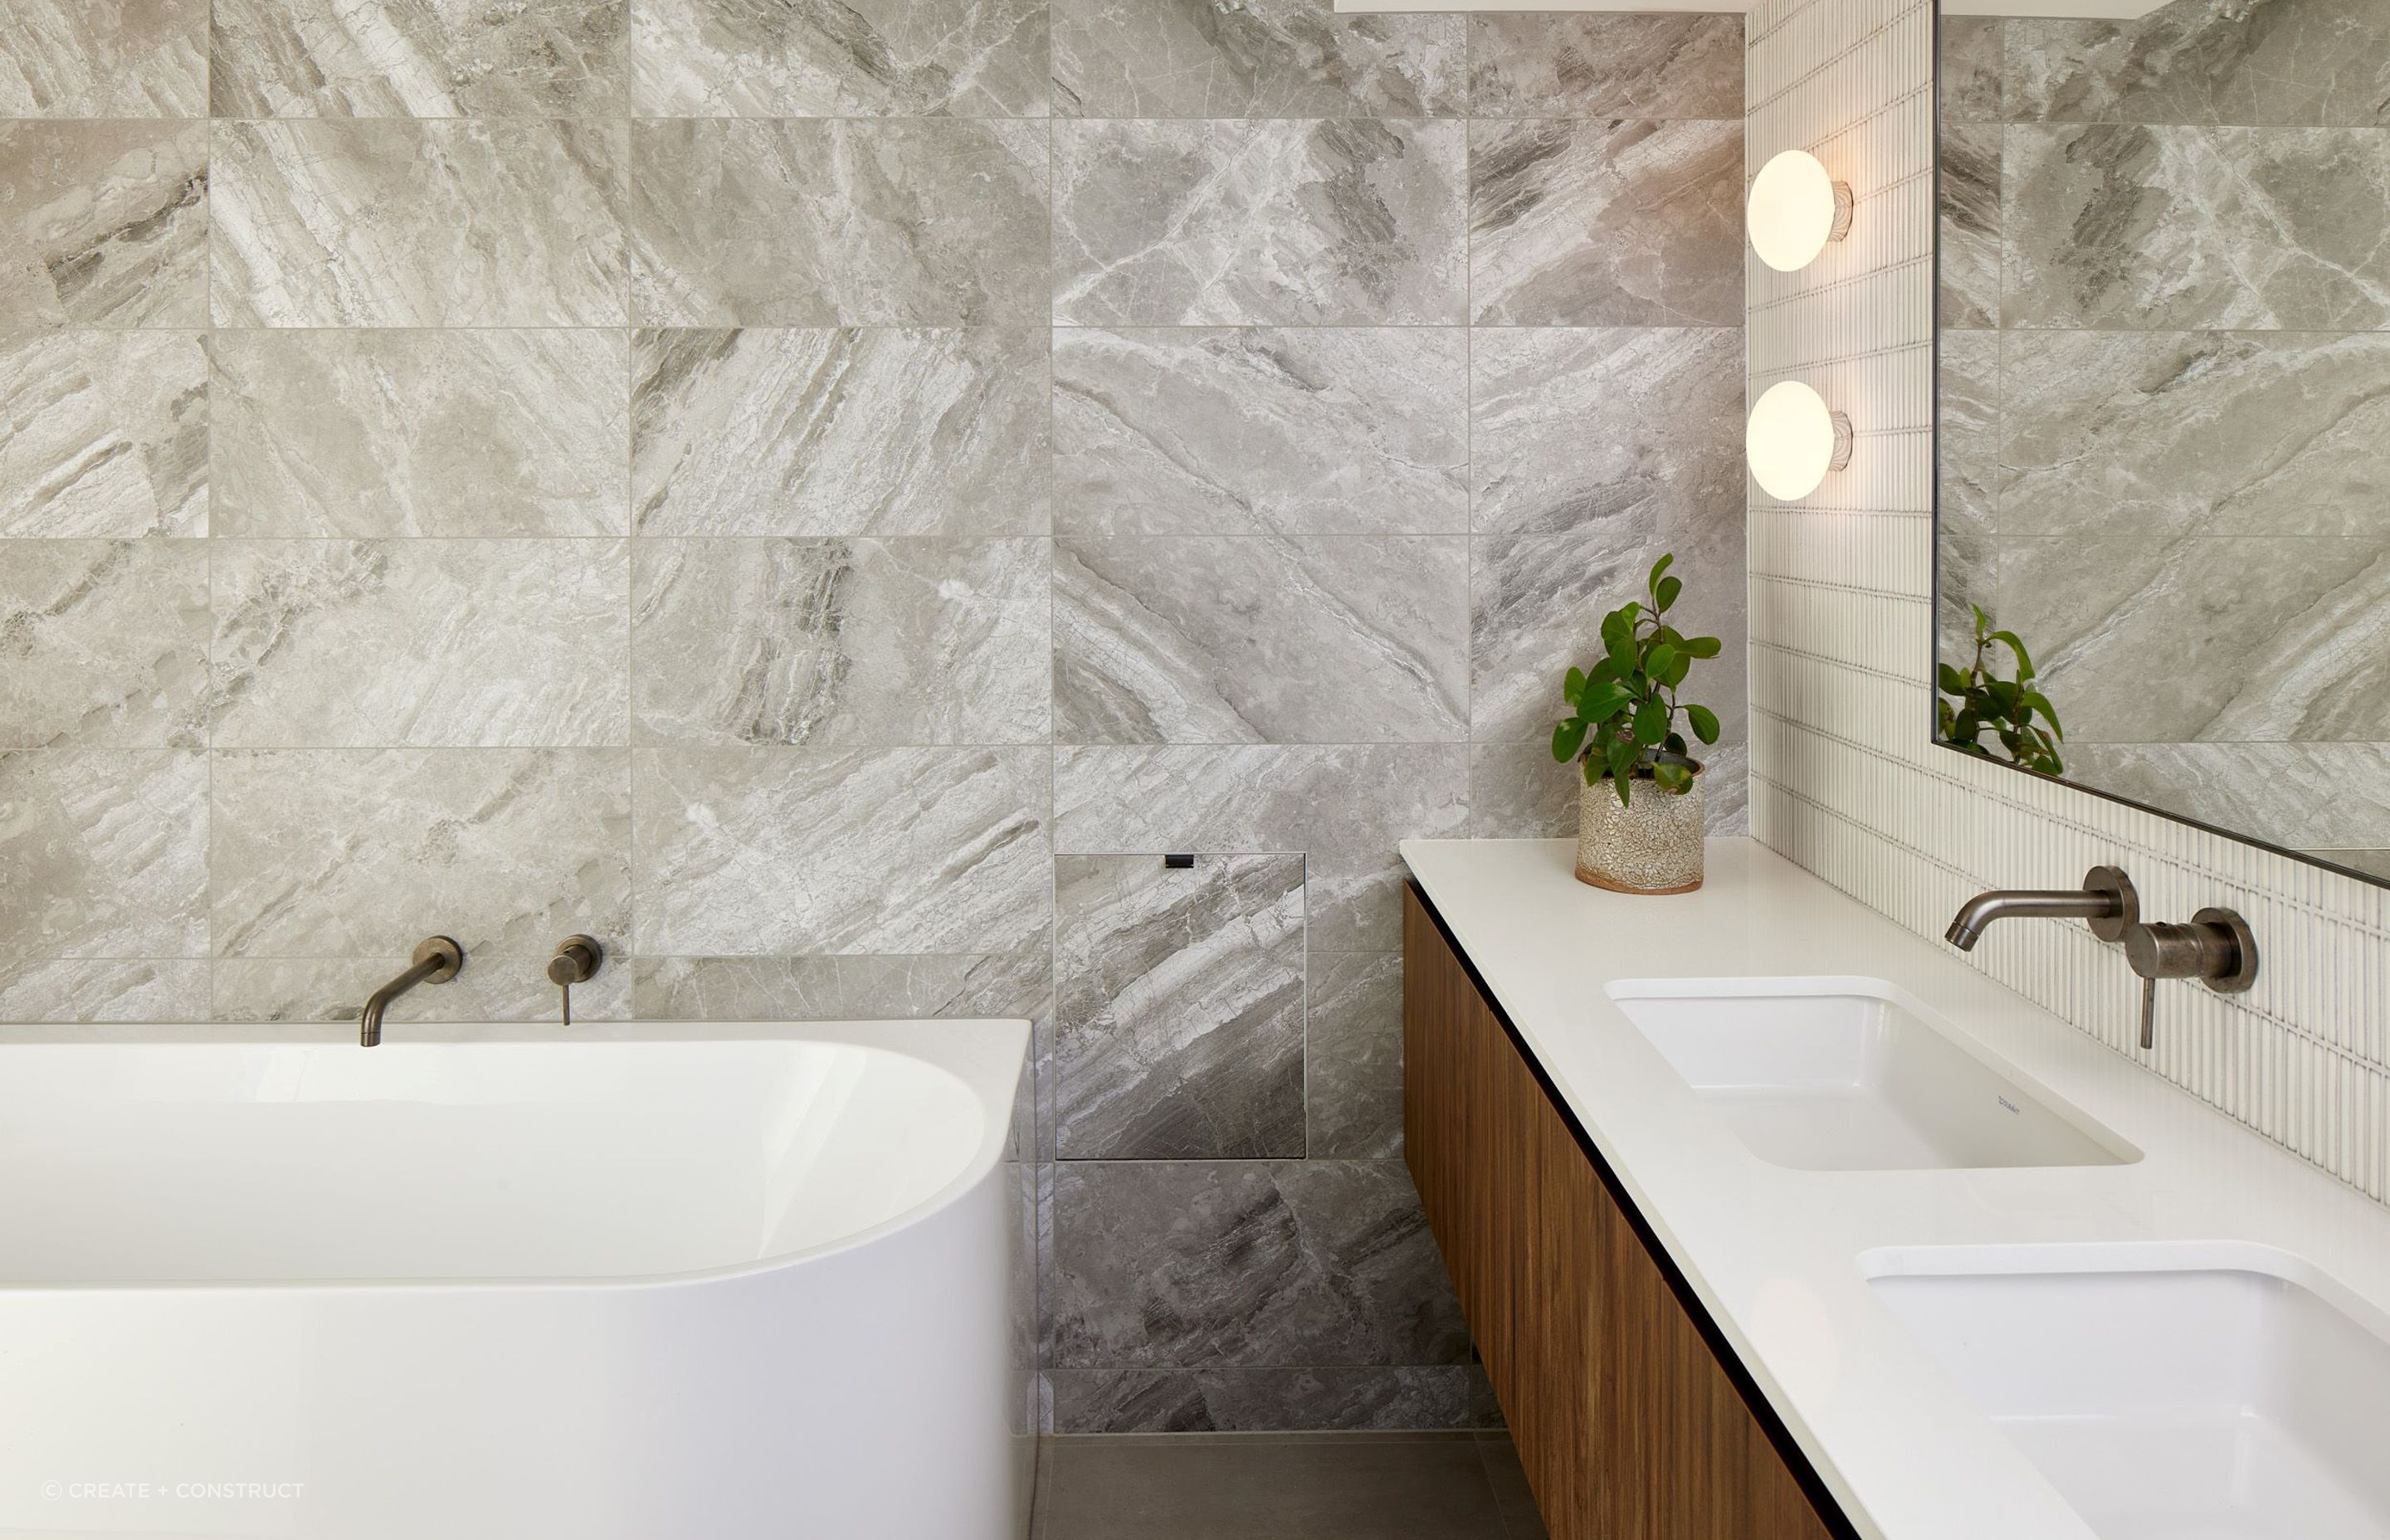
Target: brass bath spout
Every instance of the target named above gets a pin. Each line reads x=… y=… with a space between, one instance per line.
x=437 y=960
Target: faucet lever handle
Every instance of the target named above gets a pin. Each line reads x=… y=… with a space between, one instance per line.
x=2149 y=1010
x=576 y=961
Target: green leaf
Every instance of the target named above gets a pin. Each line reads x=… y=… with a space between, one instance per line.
x=1659 y=661
x=1953 y=681
x=1620 y=757
x=1650 y=722
x=1665 y=595
x=2024 y=659
x=1574 y=686
x=1600 y=702
x=1672 y=777
x=1675 y=743
x=1618 y=637
x=2041 y=703
x=1704 y=647
x=1704 y=723
x=1567 y=738
x=1678 y=670
x=1659 y=570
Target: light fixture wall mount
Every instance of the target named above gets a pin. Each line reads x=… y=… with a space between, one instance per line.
x=1797 y=209
x=1794 y=440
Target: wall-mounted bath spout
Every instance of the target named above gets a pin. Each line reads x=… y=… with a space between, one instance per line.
x=2106 y=899
x=437 y=960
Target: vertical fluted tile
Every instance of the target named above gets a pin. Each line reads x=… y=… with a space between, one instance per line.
x=103 y=644
x=104 y=223
x=838 y=58
x=417 y=58
x=103 y=854
x=86 y=58
x=103 y=434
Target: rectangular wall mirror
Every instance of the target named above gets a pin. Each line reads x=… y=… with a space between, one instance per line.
x=2163 y=409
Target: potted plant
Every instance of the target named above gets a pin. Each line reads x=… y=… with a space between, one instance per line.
x=1640 y=810
x=2008 y=707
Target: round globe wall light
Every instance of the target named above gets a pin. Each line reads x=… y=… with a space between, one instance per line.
x=1796 y=209
x=1793 y=440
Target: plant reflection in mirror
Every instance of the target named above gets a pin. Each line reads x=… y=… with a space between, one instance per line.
x=2019 y=716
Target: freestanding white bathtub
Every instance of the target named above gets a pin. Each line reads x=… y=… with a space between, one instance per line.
x=753 y=1284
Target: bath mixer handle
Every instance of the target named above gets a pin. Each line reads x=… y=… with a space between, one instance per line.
x=576 y=961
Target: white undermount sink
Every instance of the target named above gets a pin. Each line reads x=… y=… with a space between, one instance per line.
x=2166 y=1396
x=1847 y=1074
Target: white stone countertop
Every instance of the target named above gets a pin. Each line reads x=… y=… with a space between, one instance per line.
x=1777 y=1255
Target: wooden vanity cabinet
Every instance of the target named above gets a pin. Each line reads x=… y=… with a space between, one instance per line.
x=1629 y=1425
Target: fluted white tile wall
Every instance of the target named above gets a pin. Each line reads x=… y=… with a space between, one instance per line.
x=1842 y=777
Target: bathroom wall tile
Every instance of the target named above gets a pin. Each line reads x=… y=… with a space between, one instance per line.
x=420 y=643
x=781 y=852
x=1204 y=640
x=1258 y=58
x=1268 y=1399
x=75 y=990
x=1345 y=805
x=1519 y=791
x=103 y=643
x=2304 y=795
x=390 y=223
x=915 y=221
x=1259 y=222
x=2316 y=62
x=1537 y=603
x=417 y=58
x=1015 y=983
x=845 y=432
x=73 y=59
x=1969 y=214
x=1667 y=198
x=1605 y=66
x=103 y=434
x=415 y=432
x=1178 y=1008
x=1972 y=476
x=508 y=851
x=502 y=983
x=103 y=223
x=1972 y=67
x=1353 y=1054
x=2201 y=227
x=2174 y=433
x=1571 y=429
x=1275 y=430
x=103 y=854
x=837 y=58
x=1335 y=1267
x=841 y=642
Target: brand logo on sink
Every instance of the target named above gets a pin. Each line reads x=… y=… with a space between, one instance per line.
x=2009 y=1105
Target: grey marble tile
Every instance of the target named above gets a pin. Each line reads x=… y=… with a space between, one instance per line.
x=104 y=223
x=103 y=434
x=1257 y=640
x=841 y=431
x=1336 y=1396
x=2206 y=61
x=417 y=58
x=1355 y=223
x=73 y=59
x=914 y=221
x=418 y=432
x=1332 y=1263
x=1519 y=791
x=1973 y=65
x=335 y=644
x=396 y=223
x=103 y=854
x=1571 y=429
x=78 y=990
x=843 y=989
x=1263 y=430
x=838 y=58
x=1178 y=1008
x=1353 y=1054
x=1969 y=198
x=508 y=851
x=1667 y=198
x=1537 y=606
x=2146 y=641
x=505 y=982
x=103 y=644
x=841 y=642
x=2175 y=434
x=1605 y=66
x=783 y=851
x=1346 y=806
x=2158 y=227
x=2304 y=795
x=1971 y=476
x=1252 y=58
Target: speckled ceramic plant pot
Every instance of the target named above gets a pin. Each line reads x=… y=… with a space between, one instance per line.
x=1650 y=845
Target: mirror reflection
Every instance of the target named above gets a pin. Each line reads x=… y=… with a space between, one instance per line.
x=2164 y=409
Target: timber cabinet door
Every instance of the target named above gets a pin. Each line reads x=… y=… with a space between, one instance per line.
x=1628 y=1424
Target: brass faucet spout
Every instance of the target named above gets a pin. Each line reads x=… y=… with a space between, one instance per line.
x=437 y=960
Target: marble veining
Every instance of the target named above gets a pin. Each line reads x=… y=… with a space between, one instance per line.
x=1601 y=65
x=103 y=644
x=832 y=58
x=1316 y=223
x=103 y=989
x=417 y=58
x=1392 y=1397
x=843 y=989
x=105 y=223
x=104 y=853
x=1970 y=231
x=840 y=643
x=103 y=434
x=1178 y=1008
x=104 y=59
x=1252 y=58
x=1263 y=430
x=2280 y=62
x=1353 y=1054
x=418 y=432
x=393 y=223
x=841 y=431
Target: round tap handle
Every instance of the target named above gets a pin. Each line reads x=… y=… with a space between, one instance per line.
x=576 y=961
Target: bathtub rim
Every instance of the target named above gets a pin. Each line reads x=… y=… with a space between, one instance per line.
x=987 y=1054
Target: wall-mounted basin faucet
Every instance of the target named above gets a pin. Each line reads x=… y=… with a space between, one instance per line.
x=2217 y=948
x=2106 y=900
x=437 y=960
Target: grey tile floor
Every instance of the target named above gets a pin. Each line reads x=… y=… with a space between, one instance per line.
x=1283 y=1486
